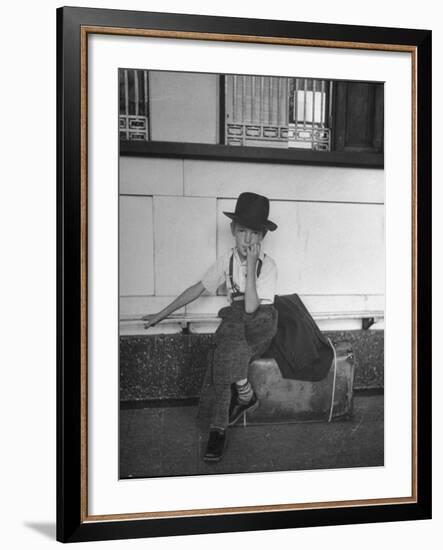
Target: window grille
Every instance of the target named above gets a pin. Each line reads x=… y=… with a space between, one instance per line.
x=134 y=104
x=265 y=111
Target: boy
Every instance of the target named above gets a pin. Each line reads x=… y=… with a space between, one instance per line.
x=248 y=324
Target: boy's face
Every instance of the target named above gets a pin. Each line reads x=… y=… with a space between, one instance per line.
x=244 y=237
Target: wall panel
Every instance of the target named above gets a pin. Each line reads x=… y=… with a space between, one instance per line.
x=283 y=182
x=151 y=176
x=321 y=248
x=185 y=241
x=136 y=263
x=184 y=107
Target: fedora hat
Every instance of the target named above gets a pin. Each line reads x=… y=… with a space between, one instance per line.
x=252 y=211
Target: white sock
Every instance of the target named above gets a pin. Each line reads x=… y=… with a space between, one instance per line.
x=244 y=391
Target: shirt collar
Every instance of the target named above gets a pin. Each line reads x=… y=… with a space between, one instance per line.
x=237 y=257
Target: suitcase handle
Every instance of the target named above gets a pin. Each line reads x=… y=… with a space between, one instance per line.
x=334 y=380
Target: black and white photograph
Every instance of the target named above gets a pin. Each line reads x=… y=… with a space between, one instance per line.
x=251 y=273
x=218 y=251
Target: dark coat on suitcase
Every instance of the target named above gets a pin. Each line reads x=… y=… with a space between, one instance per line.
x=300 y=349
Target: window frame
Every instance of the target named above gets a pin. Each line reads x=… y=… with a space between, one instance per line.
x=220 y=151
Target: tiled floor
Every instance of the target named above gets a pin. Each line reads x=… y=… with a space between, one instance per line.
x=167 y=442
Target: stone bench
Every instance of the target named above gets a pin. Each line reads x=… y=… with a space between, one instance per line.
x=207 y=323
x=164 y=367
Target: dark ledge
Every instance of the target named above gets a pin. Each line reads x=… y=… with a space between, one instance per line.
x=204 y=151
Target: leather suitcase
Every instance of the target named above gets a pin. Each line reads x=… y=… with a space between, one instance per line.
x=284 y=400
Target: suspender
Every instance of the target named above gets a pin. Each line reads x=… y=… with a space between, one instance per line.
x=235 y=291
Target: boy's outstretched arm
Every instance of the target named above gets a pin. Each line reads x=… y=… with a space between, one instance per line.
x=187 y=296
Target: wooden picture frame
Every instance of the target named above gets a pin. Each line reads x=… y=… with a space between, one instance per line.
x=74 y=25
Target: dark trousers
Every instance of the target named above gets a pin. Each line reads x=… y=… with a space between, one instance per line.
x=240 y=338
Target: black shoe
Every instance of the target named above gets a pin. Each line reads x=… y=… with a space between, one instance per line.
x=237 y=409
x=216 y=446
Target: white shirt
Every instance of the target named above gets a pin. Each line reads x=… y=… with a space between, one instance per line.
x=218 y=274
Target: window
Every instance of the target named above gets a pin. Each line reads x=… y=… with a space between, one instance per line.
x=244 y=117
x=134 y=105
x=265 y=111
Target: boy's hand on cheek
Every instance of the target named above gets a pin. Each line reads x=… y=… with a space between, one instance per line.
x=252 y=253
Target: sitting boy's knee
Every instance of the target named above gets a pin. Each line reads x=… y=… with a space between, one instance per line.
x=230 y=330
